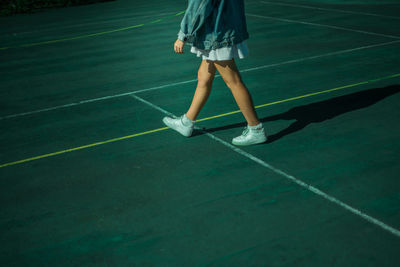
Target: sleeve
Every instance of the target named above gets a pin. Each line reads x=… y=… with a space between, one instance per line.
x=181 y=35
x=194 y=18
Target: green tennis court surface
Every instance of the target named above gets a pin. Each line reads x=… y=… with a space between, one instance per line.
x=90 y=176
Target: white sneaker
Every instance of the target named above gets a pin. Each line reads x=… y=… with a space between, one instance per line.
x=250 y=137
x=177 y=125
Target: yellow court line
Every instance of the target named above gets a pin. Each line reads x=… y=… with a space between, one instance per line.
x=92 y=34
x=303 y=96
x=204 y=119
x=82 y=147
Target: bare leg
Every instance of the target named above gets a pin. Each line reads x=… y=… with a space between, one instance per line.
x=233 y=80
x=206 y=74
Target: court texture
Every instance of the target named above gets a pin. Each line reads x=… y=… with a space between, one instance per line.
x=90 y=176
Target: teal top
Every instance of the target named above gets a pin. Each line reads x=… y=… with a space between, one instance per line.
x=212 y=24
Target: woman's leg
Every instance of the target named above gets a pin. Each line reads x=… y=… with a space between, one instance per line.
x=205 y=76
x=233 y=80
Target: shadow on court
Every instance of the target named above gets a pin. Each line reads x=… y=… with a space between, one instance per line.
x=321 y=111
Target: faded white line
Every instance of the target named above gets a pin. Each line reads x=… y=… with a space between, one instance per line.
x=153 y=106
x=93 y=100
x=320 y=56
x=103 y=21
x=194 y=80
x=288 y=176
x=324 y=25
x=331 y=9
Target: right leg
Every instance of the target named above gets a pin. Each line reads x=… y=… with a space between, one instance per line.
x=205 y=76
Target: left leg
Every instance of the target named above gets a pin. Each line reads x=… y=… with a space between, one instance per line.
x=232 y=78
x=254 y=132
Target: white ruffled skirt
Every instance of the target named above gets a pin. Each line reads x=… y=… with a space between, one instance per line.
x=239 y=50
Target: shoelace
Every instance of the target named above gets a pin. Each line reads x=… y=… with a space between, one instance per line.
x=245 y=131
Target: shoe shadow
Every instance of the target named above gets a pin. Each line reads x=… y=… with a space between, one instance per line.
x=320 y=111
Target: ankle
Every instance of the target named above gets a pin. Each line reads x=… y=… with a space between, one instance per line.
x=255 y=127
x=186 y=121
x=190 y=117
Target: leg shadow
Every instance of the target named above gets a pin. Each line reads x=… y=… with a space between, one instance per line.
x=322 y=111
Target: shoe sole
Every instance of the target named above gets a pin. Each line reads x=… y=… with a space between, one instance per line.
x=249 y=144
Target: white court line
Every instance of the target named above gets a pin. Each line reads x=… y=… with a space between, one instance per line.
x=324 y=25
x=331 y=9
x=104 y=22
x=288 y=176
x=319 y=56
x=92 y=100
x=190 y=81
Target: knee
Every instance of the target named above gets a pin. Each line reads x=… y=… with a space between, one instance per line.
x=204 y=80
x=234 y=83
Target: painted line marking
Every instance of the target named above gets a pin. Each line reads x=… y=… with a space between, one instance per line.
x=199 y=120
x=324 y=25
x=290 y=177
x=82 y=147
x=88 y=22
x=92 y=100
x=304 y=96
x=194 y=80
x=330 y=9
x=90 y=35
